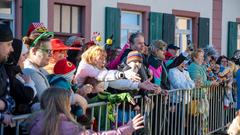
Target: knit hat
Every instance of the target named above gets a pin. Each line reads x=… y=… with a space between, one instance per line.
x=57 y=45
x=36 y=27
x=65 y=68
x=134 y=56
x=5 y=33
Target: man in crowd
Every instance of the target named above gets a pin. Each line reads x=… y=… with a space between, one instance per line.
x=171 y=52
x=7 y=104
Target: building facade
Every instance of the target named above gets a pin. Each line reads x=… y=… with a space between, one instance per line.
x=186 y=22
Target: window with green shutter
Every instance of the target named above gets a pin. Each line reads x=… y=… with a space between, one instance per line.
x=30 y=13
x=203 y=32
x=168 y=28
x=112 y=25
x=155 y=26
x=232 y=38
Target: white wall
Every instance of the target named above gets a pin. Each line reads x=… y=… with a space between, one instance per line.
x=44 y=12
x=230 y=12
x=164 y=6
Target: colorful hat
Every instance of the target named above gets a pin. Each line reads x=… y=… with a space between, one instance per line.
x=5 y=33
x=134 y=56
x=57 y=45
x=36 y=27
x=63 y=67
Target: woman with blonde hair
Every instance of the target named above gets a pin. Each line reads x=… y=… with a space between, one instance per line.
x=93 y=65
x=56 y=118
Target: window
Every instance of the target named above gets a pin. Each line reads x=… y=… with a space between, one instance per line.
x=7 y=13
x=238 y=42
x=130 y=22
x=183 y=32
x=67 y=19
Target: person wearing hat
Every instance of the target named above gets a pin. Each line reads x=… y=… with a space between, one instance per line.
x=59 y=52
x=136 y=42
x=179 y=78
x=171 y=51
x=22 y=88
x=35 y=28
x=73 y=55
x=158 y=64
x=63 y=77
x=7 y=103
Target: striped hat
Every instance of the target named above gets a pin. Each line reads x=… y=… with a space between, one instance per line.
x=134 y=56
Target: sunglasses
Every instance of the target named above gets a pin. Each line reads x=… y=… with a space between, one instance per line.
x=162 y=48
x=45 y=35
x=48 y=51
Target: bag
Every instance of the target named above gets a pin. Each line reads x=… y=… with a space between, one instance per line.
x=193 y=108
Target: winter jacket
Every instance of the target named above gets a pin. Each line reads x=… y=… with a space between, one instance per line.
x=67 y=127
x=38 y=76
x=197 y=71
x=238 y=88
x=160 y=69
x=180 y=80
x=5 y=91
x=112 y=78
x=23 y=94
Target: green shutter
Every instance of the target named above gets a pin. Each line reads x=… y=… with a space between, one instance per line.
x=30 y=13
x=232 y=38
x=112 y=25
x=169 y=28
x=203 y=32
x=155 y=26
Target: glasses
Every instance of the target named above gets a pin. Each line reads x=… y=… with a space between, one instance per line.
x=162 y=48
x=48 y=51
x=45 y=35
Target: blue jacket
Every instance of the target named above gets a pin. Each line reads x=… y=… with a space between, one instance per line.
x=238 y=89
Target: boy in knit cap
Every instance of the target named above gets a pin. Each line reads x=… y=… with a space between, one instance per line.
x=64 y=73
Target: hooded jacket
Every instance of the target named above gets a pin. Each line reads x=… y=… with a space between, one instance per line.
x=23 y=93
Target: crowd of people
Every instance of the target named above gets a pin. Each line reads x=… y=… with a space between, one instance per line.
x=56 y=80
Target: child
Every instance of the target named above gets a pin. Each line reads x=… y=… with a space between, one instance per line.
x=64 y=73
x=56 y=117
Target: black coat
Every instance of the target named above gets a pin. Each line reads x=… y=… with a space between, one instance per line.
x=23 y=95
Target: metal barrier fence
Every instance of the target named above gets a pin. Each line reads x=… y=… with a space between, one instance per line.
x=182 y=112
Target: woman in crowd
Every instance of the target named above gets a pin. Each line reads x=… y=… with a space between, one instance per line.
x=198 y=73
x=22 y=88
x=93 y=65
x=56 y=118
x=39 y=55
